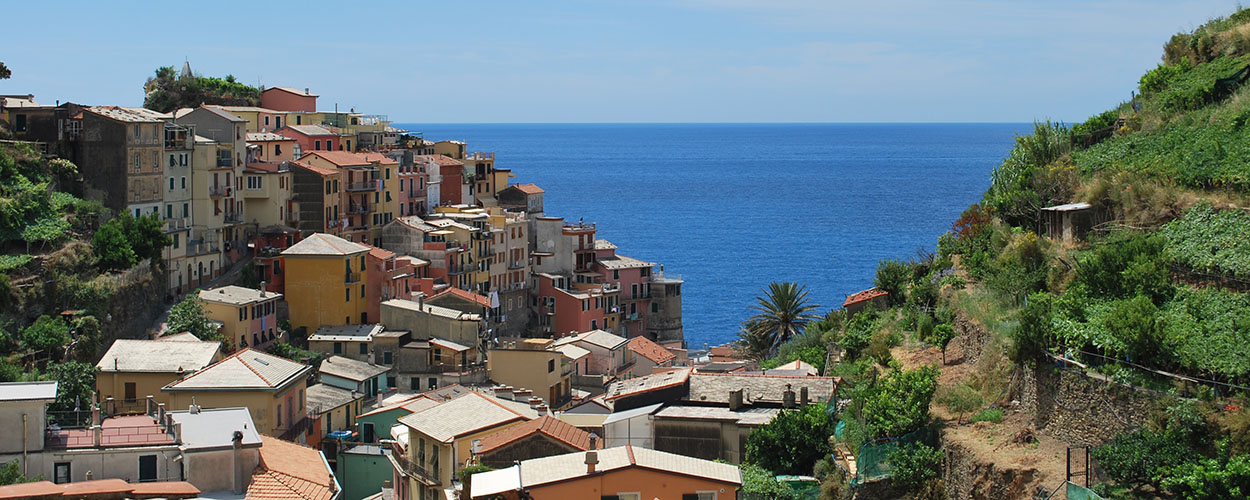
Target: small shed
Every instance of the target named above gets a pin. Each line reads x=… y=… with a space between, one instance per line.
x=860 y=300
x=1070 y=222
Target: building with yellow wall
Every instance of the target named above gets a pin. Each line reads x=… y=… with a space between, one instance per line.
x=271 y=387
x=249 y=316
x=325 y=282
x=440 y=438
x=533 y=364
x=132 y=370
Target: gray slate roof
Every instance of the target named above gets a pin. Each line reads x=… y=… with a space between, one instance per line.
x=247 y=369
x=469 y=413
x=715 y=387
x=324 y=397
x=749 y=416
x=351 y=369
x=214 y=428
x=27 y=391
x=237 y=295
x=539 y=471
x=157 y=356
x=325 y=244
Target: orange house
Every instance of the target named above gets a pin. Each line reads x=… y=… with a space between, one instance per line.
x=623 y=472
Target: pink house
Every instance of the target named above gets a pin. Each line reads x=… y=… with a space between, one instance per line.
x=313 y=138
x=569 y=308
x=634 y=278
x=288 y=99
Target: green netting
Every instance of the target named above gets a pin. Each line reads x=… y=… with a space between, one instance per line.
x=1078 y=492
x=871 y=463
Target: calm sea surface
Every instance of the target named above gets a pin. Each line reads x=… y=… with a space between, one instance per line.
x=732 y=207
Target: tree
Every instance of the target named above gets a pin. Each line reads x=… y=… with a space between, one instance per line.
x=146 y=235
x=913 y=465
x=942 y=335
x=11 y=472
x=75 y=385
x=899 y=403
x=1209 y=479
x=792 y=442
x=46 y=334
x=1139 y=457
x=190 y=316
x=783 y=312
x=758 y=482
x=1034 y=334
x=752 y=343
x=111 y=248
x=892 y=278
x=5 y=74
x=86 y=337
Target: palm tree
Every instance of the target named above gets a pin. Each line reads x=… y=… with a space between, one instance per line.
x=783 y=312
x=752 y=343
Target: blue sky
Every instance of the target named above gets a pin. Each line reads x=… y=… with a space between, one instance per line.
x=635 y=61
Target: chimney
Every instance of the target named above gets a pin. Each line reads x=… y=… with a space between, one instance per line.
x=522 y=394
x=177 y=431
x=306 y=92
x=592 y=458
x=386 y=485
x=503 y=392
x=803 y=397
x=421 y=302
x=787 y=398
x=236 y=440
x=534 y=402
x=542 y=409
x=95 y=415
x=262 y=288
x=97 y=435
x=594 y=439
x=735 y=400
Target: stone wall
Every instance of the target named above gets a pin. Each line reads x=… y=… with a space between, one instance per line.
x=1077 y=408
x=966 y=478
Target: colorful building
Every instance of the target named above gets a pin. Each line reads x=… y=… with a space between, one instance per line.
x=326 y=280
x=132 y=370
x=288 y=99
x=249 y=317
x=317 y=194
x=535 y=365
x=271 y=387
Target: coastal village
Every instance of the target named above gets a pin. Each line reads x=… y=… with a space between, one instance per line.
x=419 y=327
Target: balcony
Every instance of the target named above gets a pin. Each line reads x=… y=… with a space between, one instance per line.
x=232 y=218
x=410 y=468
x=350 y=278
x=362 y=186
x=295 y=431
x=195 y=248
x=632 y=317
x=217 y=191
x=179 y=224
x=457 y=270
x=224 y=163
x=359 y=209
x=515 y=265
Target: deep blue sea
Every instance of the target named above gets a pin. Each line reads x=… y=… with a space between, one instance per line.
x=732 y=207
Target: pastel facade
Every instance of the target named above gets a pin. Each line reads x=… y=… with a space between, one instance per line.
x=326 y=280
x=132 y=370
x=273 y=389
x=288 y=99
x=249 y=317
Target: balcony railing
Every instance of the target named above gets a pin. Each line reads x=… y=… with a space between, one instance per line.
x=362 y=186
x=410 y=468
x=224 y=163
x=296 y=430
x=514 y=265
x=351 y=278
x=461 y=269
x=178 y=224
x=232 y=218
x=218 y=191
x=358 y=209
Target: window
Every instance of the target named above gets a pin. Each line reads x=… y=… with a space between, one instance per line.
x=338 y=348
x=147 y=468
x=156 y=160
x=362 y=291
x=438 y=354
x=61 y=473
x=387 y=358
x=388 y=173
x=176 y=241
x=347 y=292
x=616 y=275
x=362 y=263
x=414 y=384
x=266 y=121
x=184 y=182
x=655 y=307
x=328 y=187
x=277 y=149
x=594 y=325
x=19 y=123
x=169 y=209
x=431 y=384
x=551 y=365
x=279 y=423
x=136 y=131
x=131 y=391
x=186 y=208
x=629 y=496
x=364 y=348
x=301 y=400
x=317 y=145
x=136 y=156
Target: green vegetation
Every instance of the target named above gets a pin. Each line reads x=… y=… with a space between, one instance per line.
x=993 y=415
x=782 y=312
x=792 y=442
x=190 y=316
x=11 y=472
x=126 y=240
x=167 y=91
x=761 y=483
x=30 y=210
x=914 y=465
x=46 y=334
x=1210 y=240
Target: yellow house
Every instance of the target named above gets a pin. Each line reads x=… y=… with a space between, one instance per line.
x=271 y=387
x=132 y=370
x=325 y=282
x=267 y=194
x=248 y=316
x=533 y=364
x=270 y=147
x=441 y=438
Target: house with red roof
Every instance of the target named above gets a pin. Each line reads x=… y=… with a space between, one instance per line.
x=871 y=297
x=542 y=437
x=288 y=99
x=647 y=356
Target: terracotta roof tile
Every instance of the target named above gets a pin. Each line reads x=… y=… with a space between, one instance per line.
x=288 y=470
x=865 y=295
x=440 y=159
x=316 y=169
x=476 y=298
x=648 y=349
x=530 y=188
x=340 y=158
x=550 y=426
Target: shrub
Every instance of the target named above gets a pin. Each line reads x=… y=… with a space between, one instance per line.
x=11 y=262
x=792 y=442
x=893 y=277
x=1034 y=333
x=913 y=465
x=111 y=248
x=959 y=399
x=46 y=334
x=994 y=415
x=190 y=316
x=1138 y=457
x=899 y=403
x=758 y=482
x=1209 y=479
